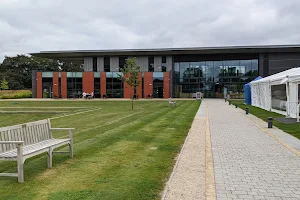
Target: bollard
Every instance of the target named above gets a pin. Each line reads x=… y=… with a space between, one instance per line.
x=229 y=102
x=270 y=122
x=247 y=111
x=225 y=99
x=139 y=107
x=236 y=105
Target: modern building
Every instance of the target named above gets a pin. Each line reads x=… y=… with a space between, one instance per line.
x=165 y=72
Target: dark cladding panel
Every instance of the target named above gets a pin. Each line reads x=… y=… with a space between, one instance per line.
x=279 y=62
x=266 y=65
x=33 y=84
x=213 y=57
x=261 y=65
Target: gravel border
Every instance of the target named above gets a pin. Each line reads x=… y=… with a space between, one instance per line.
x=188 y=179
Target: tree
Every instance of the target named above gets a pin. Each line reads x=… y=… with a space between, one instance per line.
x=4 y=84
x=18 y=69
x=130 y=75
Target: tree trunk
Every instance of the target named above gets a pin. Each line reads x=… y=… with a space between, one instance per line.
x=132 y=95
x=132 y=103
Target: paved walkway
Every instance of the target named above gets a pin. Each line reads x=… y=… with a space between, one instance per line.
x=248 y=163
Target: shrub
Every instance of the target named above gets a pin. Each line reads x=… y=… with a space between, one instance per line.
x=15 y=94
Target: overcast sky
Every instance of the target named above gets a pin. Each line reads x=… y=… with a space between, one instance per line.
x=37 y=25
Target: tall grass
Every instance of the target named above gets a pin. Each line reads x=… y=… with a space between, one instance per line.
x=15 y=94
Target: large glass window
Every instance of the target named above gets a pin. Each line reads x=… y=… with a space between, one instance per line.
x=211 y=77
x=114 y=86
x=97 y=89
x=254 y=68
x=47 y=84
x=158 y=85
x=74 y=84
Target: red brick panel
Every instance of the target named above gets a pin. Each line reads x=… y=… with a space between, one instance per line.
x=103 y=83
x=64 y=84
x=148 y=84
x=55 y=85
x=139 y=89
x=39 y=85
x=88 y=82
x=166 y=85
x=127 y=89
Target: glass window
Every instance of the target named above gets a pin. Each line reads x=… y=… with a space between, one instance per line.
x=176 y=67
x=195 y=69
x=232 y=67
x=97 y=74
x=209 y=71
x=47 y=74
x=107 y=64
x=114 y=86
x=218 y=70
x=246 y=67
x=122 y=61
x=255 y=68
x=163 y=59
x=95 y=64
x=163 y=67
x=151 y=64
x=74 y=86
x=97 y=90
x=158 y=85
x=184 y=72
x=78 y=74
x=47 y=84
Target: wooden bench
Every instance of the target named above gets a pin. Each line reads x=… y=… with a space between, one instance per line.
x=171 y=103
x=23 y=141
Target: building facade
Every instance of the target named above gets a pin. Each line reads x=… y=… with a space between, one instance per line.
x=165 y=73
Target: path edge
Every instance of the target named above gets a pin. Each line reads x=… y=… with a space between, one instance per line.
x=210 y=187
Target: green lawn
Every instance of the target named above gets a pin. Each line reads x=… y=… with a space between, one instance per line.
x=293 y=129
x=118 y=153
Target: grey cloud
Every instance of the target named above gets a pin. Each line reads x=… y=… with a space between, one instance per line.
x=35 y=25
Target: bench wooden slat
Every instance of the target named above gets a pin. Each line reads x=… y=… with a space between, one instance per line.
x=23 y=141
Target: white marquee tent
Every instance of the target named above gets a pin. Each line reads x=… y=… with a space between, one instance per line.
x=278 y=93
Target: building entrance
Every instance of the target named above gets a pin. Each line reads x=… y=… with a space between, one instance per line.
x=158 y=92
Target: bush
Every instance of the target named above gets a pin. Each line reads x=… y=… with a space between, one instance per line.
x=15 y=94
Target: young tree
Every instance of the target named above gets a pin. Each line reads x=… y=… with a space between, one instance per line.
x=4 y=84
x=130 y=76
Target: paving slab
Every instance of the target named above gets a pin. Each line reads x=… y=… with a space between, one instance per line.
x=248 y=162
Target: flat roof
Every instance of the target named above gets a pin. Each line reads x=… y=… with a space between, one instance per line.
x=78 y=55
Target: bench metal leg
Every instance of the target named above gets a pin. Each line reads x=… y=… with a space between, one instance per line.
x=50 y=155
